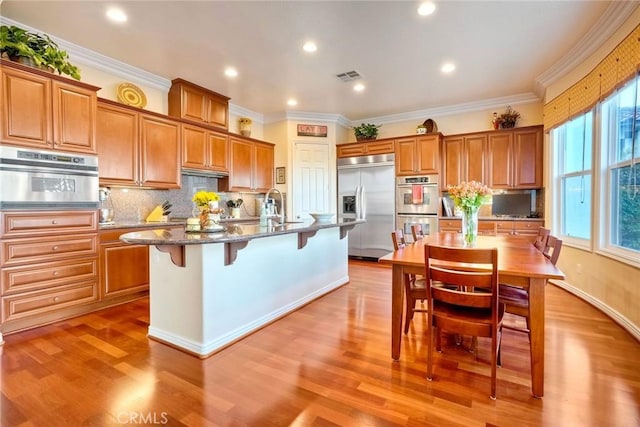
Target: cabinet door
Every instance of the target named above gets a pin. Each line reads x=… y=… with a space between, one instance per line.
x=452 y=173
x=406 y=156
x=194 y=105
x=475 y=154
x=74 y=118
x=124 y=269
x=160 y=149
x=263 y=171
x=241 y=170
x=26 y=109
x=380 y=147
x=195 y=150
x=528 y=158
x=500 y=163
x=219 y=152
x=217 y=112
x=428 y=154
x=349 y=150
x=117 y=145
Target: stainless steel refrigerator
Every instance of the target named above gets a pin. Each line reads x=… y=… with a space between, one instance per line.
x=366 y=186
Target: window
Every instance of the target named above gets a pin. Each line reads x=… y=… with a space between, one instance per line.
x=573 y=143
x=620 y=209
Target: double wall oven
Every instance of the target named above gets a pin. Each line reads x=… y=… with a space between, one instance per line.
x=417 y=202
x=47 y=180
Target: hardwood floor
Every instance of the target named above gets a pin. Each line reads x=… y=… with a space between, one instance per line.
x=326 y=364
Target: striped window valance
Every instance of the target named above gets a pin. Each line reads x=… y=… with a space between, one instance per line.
x=612 y=72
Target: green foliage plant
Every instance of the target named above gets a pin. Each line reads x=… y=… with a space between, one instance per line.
x=366 y=131
x=17 y=42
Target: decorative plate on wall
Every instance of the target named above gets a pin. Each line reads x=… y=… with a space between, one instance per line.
x=130 y=94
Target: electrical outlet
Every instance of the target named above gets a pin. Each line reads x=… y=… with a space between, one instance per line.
x=579 y=268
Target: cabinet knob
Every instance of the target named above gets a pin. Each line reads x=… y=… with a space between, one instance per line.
x=56 y=299
x=55 y=273
x=54 y=222
x=55 y=248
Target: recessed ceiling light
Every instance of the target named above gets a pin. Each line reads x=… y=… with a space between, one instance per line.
x=292 y=102
x=426 y=8
x=231 y=72
x=310 y=47
x=358 y=87
x=448 y=67
x=116 y=15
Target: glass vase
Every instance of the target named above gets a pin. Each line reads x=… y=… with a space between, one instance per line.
x=470 y=225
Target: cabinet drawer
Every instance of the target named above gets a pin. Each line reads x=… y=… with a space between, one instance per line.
x=47 y=274
x=48 y=222
x=451 y=225
x=504 y=227
x=527 y=227
x=38 y=249
x=39 y=302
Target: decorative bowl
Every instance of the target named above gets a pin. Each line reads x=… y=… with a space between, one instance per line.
x=322 y=217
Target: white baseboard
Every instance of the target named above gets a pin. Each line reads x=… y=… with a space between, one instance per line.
x=625 y=323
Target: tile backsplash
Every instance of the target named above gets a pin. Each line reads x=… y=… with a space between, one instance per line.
x=134 y=204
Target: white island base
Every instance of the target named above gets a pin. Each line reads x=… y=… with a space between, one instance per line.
x=207 y=305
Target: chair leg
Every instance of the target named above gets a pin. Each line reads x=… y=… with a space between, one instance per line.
x=430 y=332
x=494 y=349
x=408 y=317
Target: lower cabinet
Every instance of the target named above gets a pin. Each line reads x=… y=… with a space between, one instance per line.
x=488 y=226
x=48 y=267
x=124 y=268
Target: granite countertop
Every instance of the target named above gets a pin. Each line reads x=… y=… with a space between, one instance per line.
x=172 y=222
x=232 y=232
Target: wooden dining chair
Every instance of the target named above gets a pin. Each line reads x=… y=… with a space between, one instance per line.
x=416 y=231
x=414 y=287
x=541 y=238
x=516 y=298
x=468 y=304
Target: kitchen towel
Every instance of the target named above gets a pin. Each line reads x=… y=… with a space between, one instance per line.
x=416 y=194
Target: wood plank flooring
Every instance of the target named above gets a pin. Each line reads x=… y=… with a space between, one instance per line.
x=327 y=364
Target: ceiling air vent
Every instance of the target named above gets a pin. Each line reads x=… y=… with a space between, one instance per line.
x=349 y=76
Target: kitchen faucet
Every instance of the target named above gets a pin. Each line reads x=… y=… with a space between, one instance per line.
x=266 y=201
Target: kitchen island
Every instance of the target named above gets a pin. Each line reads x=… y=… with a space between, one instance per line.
x=208 y=290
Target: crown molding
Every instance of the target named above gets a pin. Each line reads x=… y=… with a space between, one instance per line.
x=83 y=56
x=245 y=112
x=338 y=119
x=612 y=19
x=467 y=107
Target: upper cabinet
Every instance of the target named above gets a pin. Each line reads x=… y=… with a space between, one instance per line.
x=205 y=150
x=192 y=102
x=251 y=166
x=418 y=155
x=464 y=159
x=45 y=111
x=365 y=148
x=515 y=158
x=136 y=148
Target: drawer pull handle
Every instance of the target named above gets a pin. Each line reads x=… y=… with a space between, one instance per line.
x=54 y=222
x=56 y=299
x=55 y=273
x=55 y=248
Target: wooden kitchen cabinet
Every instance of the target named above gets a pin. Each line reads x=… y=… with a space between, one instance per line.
x=45 y=111
x=515 y=158
x=48 y=267
x=451 y=225
x=250 y=166
x=204 y=150
x=464 y=159
x=365 y=148
x=520 y=227
x=137 y=148
x=192 y=102
x=418 y=155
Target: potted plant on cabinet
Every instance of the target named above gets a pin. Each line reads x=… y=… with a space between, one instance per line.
x=509 y=118
x=20 y=45
x=366 y=131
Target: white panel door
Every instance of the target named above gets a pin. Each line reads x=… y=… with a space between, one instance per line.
x=311 y=183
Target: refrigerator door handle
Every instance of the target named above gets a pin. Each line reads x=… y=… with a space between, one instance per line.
x=363 y=210
x=358 y=206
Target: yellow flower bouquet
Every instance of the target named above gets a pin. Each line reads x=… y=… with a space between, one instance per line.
x=202 y=198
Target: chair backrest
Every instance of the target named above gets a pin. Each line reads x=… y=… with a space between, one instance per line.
x=552 y=248
x=451 y=267
x=416 y=231
x=398 y=239
x=541 y=238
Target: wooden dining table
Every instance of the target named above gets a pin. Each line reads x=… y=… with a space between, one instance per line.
x=519 y=264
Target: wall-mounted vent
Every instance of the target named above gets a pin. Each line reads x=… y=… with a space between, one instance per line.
x=349 y=76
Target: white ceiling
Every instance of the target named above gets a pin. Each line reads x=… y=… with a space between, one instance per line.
x=501 y=48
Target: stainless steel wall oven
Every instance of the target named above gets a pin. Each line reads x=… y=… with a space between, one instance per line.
x=45 y=180
x=417 y=202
